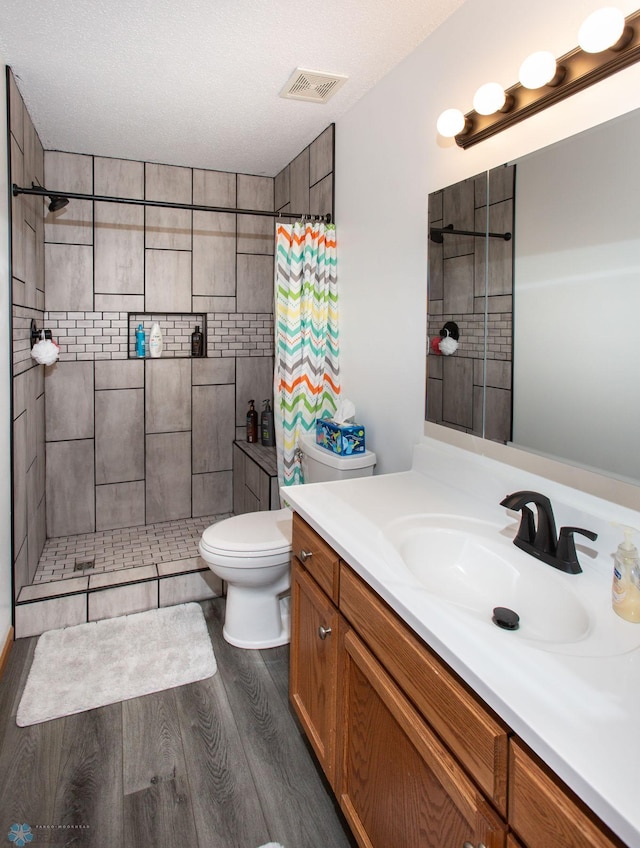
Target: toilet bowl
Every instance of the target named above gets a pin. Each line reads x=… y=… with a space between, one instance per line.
x=252 y=554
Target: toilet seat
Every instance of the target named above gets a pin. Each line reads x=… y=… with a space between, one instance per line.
x=262 y=535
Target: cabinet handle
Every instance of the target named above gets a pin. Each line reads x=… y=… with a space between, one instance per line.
x=305 y=555
x=468 y=845
x=323 y=632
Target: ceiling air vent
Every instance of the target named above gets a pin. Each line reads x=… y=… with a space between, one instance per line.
x=315 y=86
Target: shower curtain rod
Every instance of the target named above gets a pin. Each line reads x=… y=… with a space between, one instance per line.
x=436 y=233
x=44 y=192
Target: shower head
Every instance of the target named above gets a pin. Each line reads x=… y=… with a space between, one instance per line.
x=57 y=202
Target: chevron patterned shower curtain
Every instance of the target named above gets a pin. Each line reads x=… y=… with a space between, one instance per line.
x=306 y=376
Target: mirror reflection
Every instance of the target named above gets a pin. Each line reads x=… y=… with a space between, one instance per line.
x=471 y=285
x=576 y=303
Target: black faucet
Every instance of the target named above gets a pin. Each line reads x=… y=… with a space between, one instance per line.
x=539 y=538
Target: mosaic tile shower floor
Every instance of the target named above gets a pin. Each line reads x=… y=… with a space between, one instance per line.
x=112 y=550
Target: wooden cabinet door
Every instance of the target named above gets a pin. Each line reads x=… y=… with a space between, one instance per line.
x=398 y=784
x=475 y=736
x=314 y=664
x=542 y=811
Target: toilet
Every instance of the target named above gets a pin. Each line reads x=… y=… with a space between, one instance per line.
x=252 y=554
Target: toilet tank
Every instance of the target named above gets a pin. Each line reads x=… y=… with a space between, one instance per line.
x=320 y=465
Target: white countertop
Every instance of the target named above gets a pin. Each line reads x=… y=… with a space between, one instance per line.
x=578 y=711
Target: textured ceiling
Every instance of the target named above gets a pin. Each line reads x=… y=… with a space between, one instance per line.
x=197 y=83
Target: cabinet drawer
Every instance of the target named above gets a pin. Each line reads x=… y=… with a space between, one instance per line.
x=543 y=811
x=473 y=734
x=320 y=560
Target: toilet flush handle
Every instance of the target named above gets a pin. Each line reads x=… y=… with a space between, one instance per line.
x=305 y=555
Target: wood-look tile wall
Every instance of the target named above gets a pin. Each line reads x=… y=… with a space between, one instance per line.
x=132 y=442
x=27 y=268
x=306 y=184
x=156 y=444
x=471 y=390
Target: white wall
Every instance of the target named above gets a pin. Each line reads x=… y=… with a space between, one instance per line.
x=389 y=157
x=5 y=358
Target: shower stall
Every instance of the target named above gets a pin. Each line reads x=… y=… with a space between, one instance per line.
x=118 y=462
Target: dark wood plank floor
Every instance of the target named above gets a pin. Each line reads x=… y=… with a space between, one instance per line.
x=216 y=764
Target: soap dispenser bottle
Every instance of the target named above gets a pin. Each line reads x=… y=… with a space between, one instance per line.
x=252 y=423
x=626 y=578
x=266 y=425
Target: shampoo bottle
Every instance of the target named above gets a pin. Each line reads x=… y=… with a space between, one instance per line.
x=155 y=341
x=252 y=423
x=140 y=347
x=626 y=579
x=197 y=342
x=266 y=425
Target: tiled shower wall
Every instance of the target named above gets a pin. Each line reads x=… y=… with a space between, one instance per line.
x=134 y=442
x=306 y=185
x=131 y=442
x=27 y=261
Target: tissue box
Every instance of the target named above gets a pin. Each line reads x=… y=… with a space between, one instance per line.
x=343 y=439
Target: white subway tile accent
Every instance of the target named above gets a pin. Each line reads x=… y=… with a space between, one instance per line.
x=105 y=335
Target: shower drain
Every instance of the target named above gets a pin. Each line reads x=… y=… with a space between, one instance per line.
x=84 y=564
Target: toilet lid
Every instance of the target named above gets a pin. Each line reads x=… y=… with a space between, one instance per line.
x=268 y=531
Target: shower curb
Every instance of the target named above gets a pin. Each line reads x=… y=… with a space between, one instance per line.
x=64 y=603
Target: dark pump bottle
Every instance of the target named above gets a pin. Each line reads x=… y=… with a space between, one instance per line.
x=197 y=342
x=266 y=425
x=252 y=423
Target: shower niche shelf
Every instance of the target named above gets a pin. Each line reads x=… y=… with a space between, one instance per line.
x=176 y=329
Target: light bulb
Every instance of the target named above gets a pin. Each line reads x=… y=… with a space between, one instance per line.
x=450 y=123
x=601 y=30
x=489 y=98
x=537 y=69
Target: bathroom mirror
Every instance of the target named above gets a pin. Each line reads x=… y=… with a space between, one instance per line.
x=576 y=300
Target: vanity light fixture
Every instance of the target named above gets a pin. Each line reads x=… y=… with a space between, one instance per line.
x=545 y=81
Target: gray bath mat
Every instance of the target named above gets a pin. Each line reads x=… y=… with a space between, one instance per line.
x=90 y=665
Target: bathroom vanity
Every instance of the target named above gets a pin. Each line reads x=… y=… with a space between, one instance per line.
x=434 y=727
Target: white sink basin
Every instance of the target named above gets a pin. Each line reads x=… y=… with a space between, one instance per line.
x=469 y=563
